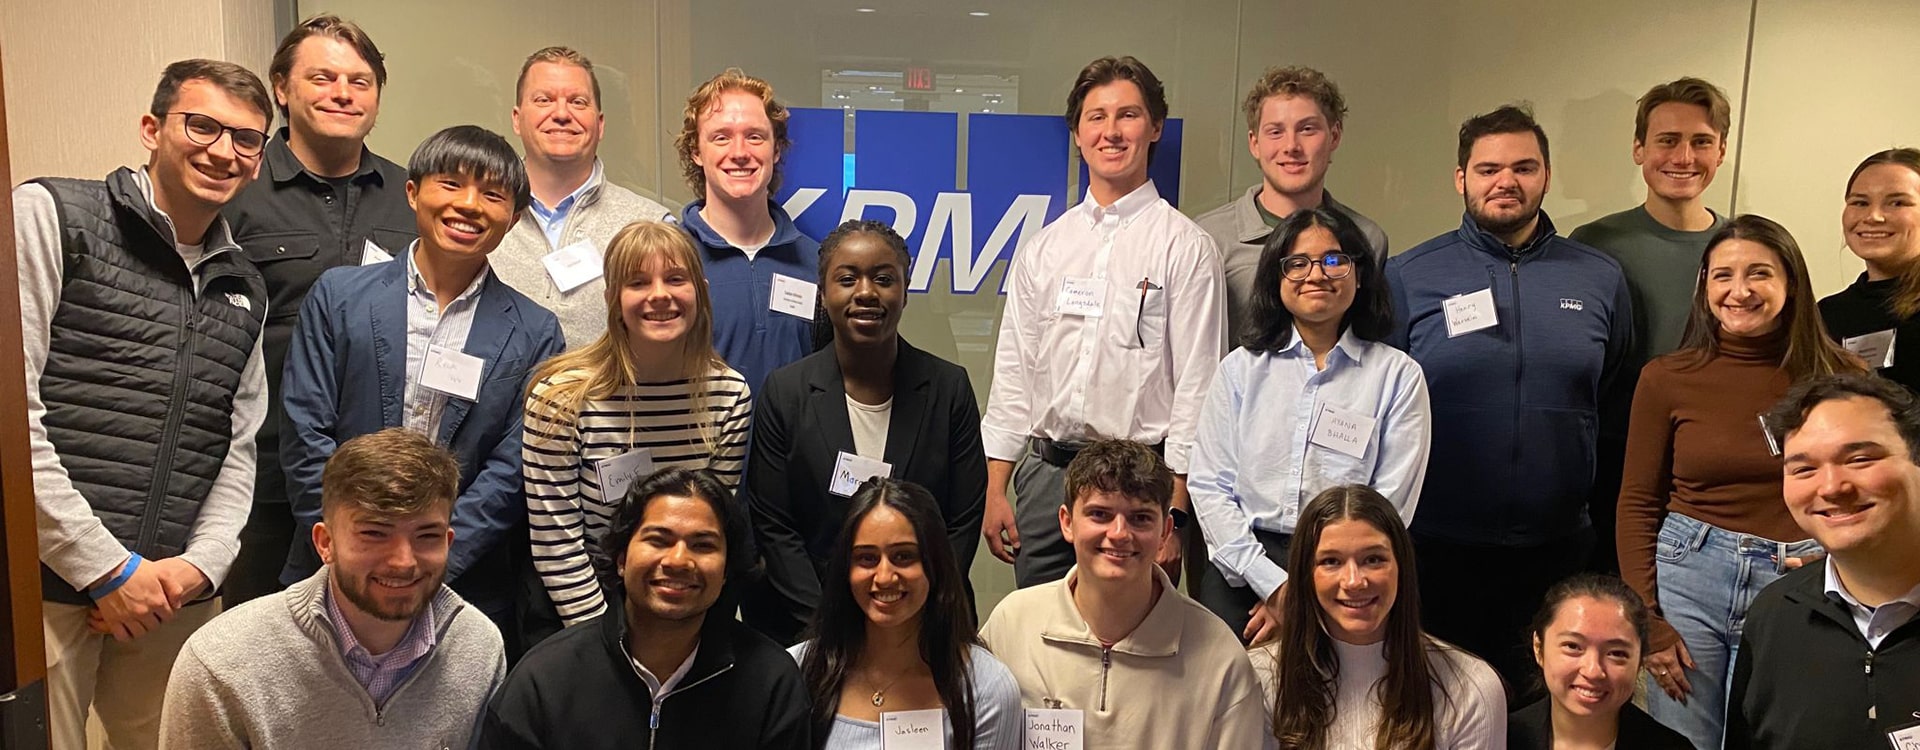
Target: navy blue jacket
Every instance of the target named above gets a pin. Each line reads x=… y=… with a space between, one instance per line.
x=1515 y=406
x=346 y=376
x=749 y=335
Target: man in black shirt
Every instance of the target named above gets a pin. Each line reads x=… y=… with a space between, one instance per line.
x=322 y=200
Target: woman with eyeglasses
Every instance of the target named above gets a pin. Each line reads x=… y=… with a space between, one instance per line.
x=1312 y=399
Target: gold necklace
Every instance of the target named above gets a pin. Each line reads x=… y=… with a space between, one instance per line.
x=880 y=695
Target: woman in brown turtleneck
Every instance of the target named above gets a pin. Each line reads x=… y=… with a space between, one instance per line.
x=1702 y=526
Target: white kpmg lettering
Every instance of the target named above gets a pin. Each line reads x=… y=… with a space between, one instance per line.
x=951 y=215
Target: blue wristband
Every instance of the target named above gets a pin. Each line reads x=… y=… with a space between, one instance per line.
x=114 y=584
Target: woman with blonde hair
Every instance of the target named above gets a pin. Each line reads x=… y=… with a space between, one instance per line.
x=648 y=394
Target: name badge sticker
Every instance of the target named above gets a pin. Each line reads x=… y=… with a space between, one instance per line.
x=792 y=296
x=573 y=265
x=1905 y=739
x=1876 y=348
x=452 y=372
x=1056 y=729
x=617 y=473
x=849 y=470
x=1470 y=312
x=913 y=730
x=372 y=253
x=1082 y=296
x=1342 y=430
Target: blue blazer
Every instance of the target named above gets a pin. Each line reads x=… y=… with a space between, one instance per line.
x=346 y=376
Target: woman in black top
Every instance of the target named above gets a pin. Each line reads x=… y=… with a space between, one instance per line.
x=1588 y=639
x=1881 y=224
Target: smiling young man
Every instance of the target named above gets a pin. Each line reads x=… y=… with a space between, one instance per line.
x=433 y=343
x=371 y=651
x=323 y=200
x=1114 y=323
x=760 y=267
x=141 y=323
x=1830 y=655
x=661 y=667
x=1517 y=330
x=1295 y=118
x=554 y=252
x=1130 y=661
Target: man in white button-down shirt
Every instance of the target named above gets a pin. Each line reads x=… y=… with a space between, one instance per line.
x=1114 y=323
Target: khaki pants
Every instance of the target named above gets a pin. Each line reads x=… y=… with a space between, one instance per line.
x=122 y=683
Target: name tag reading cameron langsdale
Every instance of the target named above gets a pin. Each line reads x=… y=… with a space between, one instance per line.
x=1082 y=296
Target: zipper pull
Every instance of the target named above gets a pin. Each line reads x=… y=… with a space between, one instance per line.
x=653 y=721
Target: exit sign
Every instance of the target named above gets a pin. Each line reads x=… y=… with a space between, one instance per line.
x=919 y=79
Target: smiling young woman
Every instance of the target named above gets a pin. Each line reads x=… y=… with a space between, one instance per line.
x=1589 y=639
x=1881 y=225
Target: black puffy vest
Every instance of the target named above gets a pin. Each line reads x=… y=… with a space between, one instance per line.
x=141 y=373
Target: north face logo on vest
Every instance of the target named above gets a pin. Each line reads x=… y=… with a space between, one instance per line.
x=240 y=301
x=1571 y=304
x=906 y=170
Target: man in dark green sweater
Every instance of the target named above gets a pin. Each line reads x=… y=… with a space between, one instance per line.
x=1679 y=141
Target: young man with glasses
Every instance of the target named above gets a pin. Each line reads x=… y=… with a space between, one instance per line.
x=145 y=385
x=323 y=200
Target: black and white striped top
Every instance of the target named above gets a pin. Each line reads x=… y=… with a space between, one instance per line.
x=566 y=515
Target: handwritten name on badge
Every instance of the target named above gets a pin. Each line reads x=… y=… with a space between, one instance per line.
x=1470 y=312
x=1342 y=430
x=573 y=265
x=371 y=254
x=1082 y=296
x=617 y=473
x=849 y=470
x=913 y=730
x=1056 y=729
x=452 y=372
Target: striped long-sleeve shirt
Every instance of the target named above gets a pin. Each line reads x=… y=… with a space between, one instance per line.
x=566 y=513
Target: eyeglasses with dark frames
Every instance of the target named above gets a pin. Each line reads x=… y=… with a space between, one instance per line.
x=1299 y=267
x=206 y=131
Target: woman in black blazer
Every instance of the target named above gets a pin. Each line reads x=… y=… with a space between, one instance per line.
x=1589 y=639
x=870 y=403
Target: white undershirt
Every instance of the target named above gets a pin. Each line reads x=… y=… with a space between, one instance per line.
x=869 y=427
x=752 y=249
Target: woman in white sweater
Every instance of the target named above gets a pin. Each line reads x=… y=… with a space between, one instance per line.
x=1352 y=668
x=650 y=393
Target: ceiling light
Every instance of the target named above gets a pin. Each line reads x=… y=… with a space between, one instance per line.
x=863 y=10
x=978 y=14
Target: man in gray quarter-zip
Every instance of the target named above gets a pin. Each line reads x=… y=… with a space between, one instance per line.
x=141 y=328
x=553 y=253
x=370 y=652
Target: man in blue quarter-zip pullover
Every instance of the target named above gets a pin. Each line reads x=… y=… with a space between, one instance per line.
x=1517 y=329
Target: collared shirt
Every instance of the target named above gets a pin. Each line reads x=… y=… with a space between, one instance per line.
x=1255 y=462
x=552 y=220
x=1139 y=369
x=430 y=324
x=381 y=674
x=1875 y=623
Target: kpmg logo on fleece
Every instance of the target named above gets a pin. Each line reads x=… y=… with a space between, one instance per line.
x=905 y=171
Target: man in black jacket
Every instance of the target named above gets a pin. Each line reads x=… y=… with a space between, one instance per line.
x=1831 y=653
x=654 y=671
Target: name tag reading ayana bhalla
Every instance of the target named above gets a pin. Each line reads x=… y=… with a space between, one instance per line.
x=1342 y=430
x=914 y=730
x=1470 y=312
x=1056 y=729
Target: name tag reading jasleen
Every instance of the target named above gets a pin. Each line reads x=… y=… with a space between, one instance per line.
x=1470 y=312
x=792 y=296
x=371 y=254
x=1082 y=296
x=573 y=265
x=849 y=470
x=913 y=730
x=1905 y=739
x=617 y=473
x=1876 y=348
x=453 y=373
x=1342 y=430
x=1056 y=729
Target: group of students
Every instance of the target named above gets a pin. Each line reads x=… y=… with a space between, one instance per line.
x=605 y=426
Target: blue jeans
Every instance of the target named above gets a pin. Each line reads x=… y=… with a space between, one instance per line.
x=1706 y=578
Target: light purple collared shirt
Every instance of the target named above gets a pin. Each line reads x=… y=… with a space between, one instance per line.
x=380 y=674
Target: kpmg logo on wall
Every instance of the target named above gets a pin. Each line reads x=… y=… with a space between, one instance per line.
x=905 y=170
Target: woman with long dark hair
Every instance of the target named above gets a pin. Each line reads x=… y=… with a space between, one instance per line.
x=1312 y=399
x=895 y=633
x=1881 y=225
x=1702 y=526
x=1352 y=668
x=1589 y=639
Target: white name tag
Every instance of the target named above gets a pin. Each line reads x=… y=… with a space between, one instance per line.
x=1342 y=430
x=1470 y=312
x=1082 y=296
x=1905 y=739
x=1876 y=348
x=372 y=254
x=792 y=296
x=573 y=265
x=617 y=473
x=849 y=470
x=453 y=373
x=913 y=730
x=1055 y=729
